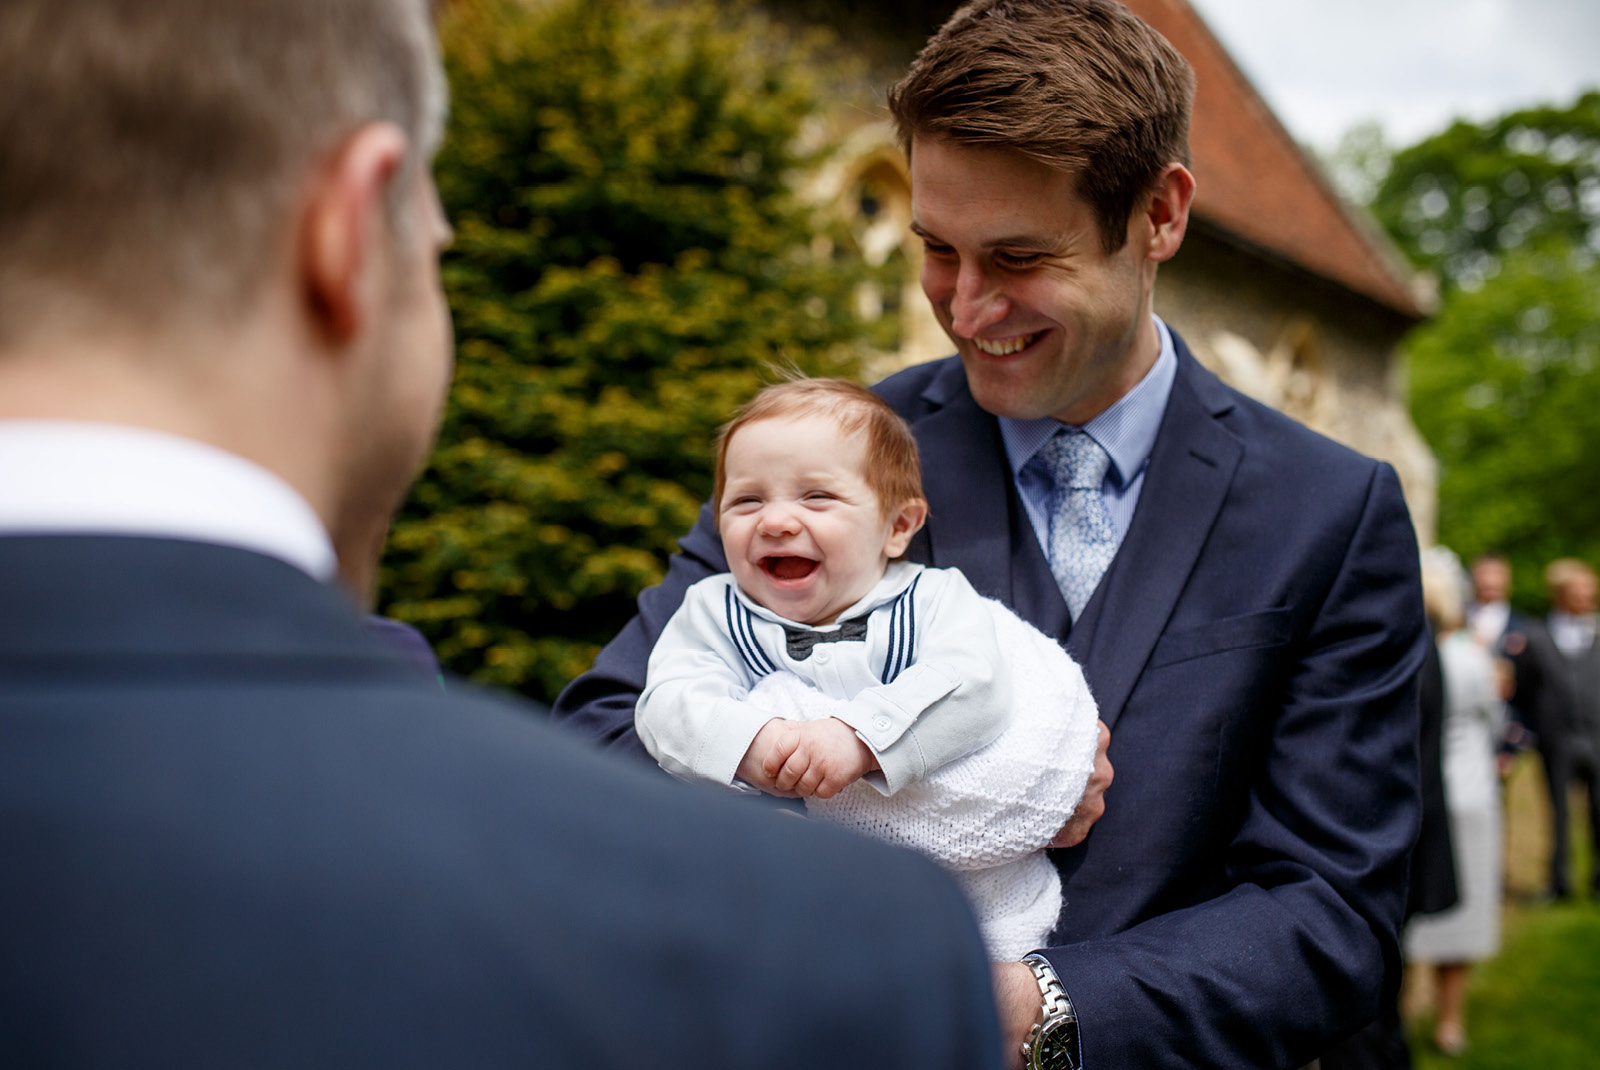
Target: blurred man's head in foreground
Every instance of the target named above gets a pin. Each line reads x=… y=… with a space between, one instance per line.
x=217 y=219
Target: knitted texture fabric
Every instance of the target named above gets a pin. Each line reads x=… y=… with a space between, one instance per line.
x=986 y=816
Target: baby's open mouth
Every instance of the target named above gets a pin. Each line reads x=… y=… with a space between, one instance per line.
x=783 y=567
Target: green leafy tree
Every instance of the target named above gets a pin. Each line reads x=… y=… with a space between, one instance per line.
x=1460 y=201
x=1506 y=388
x=1506 y=378
x=1360 y=162
x=630 y=256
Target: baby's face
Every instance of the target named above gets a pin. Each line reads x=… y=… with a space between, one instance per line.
x=804 y=533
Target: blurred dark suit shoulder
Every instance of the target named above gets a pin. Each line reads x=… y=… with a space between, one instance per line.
x=238 y=830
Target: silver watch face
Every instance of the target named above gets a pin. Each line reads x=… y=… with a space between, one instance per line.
x=1057 y=1046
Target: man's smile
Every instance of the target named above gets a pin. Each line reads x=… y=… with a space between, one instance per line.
x=1005 y=347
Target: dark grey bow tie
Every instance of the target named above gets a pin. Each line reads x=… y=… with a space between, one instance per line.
x=801 y=643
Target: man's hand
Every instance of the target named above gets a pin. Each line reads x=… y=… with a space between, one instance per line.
x=829 y=758
x=1016 y=995
x=1091 y=807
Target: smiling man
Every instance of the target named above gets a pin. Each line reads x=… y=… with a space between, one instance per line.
x=1241 y=593
x=1052 y=317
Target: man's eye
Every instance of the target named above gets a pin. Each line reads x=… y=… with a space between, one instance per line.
x=931 y=248
x=1018 y=260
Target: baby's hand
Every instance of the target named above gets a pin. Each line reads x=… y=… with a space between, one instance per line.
x=767 y=753
x=828 y=757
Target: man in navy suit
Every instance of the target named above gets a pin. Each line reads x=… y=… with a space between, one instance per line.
x=1242 y=594
x=237 y=828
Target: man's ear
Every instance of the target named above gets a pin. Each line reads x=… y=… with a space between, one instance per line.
x=905 y=522
x=344 y=229
x=1167 y=212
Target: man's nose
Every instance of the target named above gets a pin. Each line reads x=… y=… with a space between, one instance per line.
x=978 y=302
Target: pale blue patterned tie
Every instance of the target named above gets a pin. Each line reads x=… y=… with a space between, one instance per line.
x=1083 y=540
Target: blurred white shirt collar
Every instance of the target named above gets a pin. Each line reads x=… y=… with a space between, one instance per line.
x=1573 y=635
x=1489 y=620
x=67 y=477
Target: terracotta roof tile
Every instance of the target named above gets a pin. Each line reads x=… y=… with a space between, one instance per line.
x=1255 y=183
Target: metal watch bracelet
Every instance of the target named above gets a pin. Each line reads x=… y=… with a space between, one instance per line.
x=1052 y=1044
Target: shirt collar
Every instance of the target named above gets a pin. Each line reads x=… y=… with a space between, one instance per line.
x=66 y=477
x=1126 y=431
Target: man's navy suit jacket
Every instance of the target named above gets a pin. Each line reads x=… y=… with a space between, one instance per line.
x=1254 y=648
x=236 y=830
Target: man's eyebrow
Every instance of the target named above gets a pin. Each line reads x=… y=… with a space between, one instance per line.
x=1024 y=241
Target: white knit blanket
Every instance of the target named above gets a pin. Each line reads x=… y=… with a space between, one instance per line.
x=985 y=817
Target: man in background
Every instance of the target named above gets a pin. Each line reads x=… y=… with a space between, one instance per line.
x=236 y=828
x=1504 y=632
x=1528 y=664
x=1575 y=712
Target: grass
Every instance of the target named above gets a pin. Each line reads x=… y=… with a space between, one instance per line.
x=1537 y=1003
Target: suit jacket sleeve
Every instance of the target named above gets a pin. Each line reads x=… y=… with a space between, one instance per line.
x=1269 y=967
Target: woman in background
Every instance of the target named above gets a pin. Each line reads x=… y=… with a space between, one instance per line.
x=1474 y=714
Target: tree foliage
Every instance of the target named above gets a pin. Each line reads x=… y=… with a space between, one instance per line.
x=1461 y=200
x=1506 y=388
x=1505 y=380
x=630 y=257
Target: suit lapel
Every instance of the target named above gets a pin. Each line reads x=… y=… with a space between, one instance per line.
x=1191 y=467
x=977 y=522
x=969 y=515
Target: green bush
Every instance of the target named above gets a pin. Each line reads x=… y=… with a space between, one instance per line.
x=630 y=256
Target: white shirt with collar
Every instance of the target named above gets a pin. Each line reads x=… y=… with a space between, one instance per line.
x=1126 y=431
x=1489 y=620
x=60 y=477
x=1573 y=634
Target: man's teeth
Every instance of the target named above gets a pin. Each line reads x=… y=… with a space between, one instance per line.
x=1004 y=347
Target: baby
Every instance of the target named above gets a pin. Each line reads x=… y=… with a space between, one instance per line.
x=824 y=666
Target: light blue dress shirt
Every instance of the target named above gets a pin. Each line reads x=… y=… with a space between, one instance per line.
x=1126 y=431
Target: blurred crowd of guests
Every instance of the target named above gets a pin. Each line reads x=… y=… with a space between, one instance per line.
x=1500 y=684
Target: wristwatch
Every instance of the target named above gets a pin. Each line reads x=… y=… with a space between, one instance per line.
x=1053 y=1043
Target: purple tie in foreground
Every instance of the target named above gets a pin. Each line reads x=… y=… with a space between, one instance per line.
x=1083 y=540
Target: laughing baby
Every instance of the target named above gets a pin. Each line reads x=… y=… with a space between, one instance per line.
x=892 y=697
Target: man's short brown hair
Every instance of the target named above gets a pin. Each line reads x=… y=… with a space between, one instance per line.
x=893 y=470
x=150 y=149
x=1083 y=86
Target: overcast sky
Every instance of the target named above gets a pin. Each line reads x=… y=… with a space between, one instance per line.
x=1414 y=65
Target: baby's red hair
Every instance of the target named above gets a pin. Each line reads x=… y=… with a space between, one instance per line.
x=893 y=471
